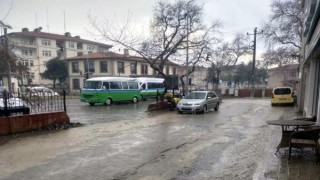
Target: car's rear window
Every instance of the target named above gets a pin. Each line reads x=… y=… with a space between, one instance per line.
x=280 y=91
x=196 y=95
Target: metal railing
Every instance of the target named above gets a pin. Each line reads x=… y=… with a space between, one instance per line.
x=31 y=103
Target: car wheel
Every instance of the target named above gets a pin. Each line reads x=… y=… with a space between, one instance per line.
x=108 y=102
x=91 y=104
x=205 y=109
x=135 y=100
x=217 y=107
x=272 y=104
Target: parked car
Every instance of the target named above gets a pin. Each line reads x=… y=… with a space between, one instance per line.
x=14 y=105
x=199 y=101
x=41 y=91
x=282 y=95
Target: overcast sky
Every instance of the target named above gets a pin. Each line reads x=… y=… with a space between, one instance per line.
x=236 y=15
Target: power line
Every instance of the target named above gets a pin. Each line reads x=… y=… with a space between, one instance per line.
x=5 y=17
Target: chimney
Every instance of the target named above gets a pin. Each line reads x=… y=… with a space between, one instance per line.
x=77 y=37
x=38 y=29
x=126 y=52
x=25 y=30
x=67 y=34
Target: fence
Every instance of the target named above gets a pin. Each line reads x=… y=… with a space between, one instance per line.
x=244 y=92
x=31 y=103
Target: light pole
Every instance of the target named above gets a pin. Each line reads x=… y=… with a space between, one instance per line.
x=5 y=45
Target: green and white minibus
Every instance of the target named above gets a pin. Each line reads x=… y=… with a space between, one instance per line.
x=107 y=90
x=150 y=86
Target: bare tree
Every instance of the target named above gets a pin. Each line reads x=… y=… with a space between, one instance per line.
x=7 y=57
x=226 y=56
x=285 y=27
x=201 y=50
x=279 y=57
x=172 y=23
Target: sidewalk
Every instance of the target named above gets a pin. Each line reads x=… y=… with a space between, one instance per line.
x=277 y=166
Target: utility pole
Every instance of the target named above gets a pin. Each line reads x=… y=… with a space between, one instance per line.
x=254 y=60
x=5 y=45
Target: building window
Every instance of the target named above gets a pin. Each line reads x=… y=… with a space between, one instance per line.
x=24 y=41
x=46 y=53
x=75 y=67
x=167 y=70
x=71 y=45
x=103 y=66
x=120 y=67
x=133 y=68
x=31 y=63
x=25 y=63
x=75 y=84
x=144 y=69
x=27 y=41
x=174 y=71
x=293 y=73
x=89 y=66
x=44 y=63
x=79 y=53
x=45 y=42
x=90 y=47
x=31 y=75
x=27 y=52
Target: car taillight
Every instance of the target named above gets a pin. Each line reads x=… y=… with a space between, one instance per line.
x=272 y=95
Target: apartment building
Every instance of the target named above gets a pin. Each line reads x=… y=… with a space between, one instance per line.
x=309 y=92
x=110 y=64
x=36 y=48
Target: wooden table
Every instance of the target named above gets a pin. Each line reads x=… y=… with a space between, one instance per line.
x=287 y=129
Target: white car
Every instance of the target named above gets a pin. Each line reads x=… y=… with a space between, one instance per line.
x=14 y=105
x=199 y=101
x=42 y=91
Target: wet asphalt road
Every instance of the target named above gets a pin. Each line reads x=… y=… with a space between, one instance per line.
x=126 y=142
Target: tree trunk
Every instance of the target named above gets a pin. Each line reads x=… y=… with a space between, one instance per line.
x=54 y=83
x=182 y=84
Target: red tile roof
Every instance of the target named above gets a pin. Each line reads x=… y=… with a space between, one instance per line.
x=56 y=37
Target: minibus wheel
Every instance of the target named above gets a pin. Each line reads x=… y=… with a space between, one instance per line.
x=135 y=100
x=108 y=102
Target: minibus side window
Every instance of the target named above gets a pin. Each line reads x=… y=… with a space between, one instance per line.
x=115 y=85
x=105 y=85
x=133 y=85
x=143 y=86
x=125 y=85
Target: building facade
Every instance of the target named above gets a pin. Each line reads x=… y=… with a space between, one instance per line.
x=35 y=48
x=310 y=63
x=283 y=76
x=110 y=64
